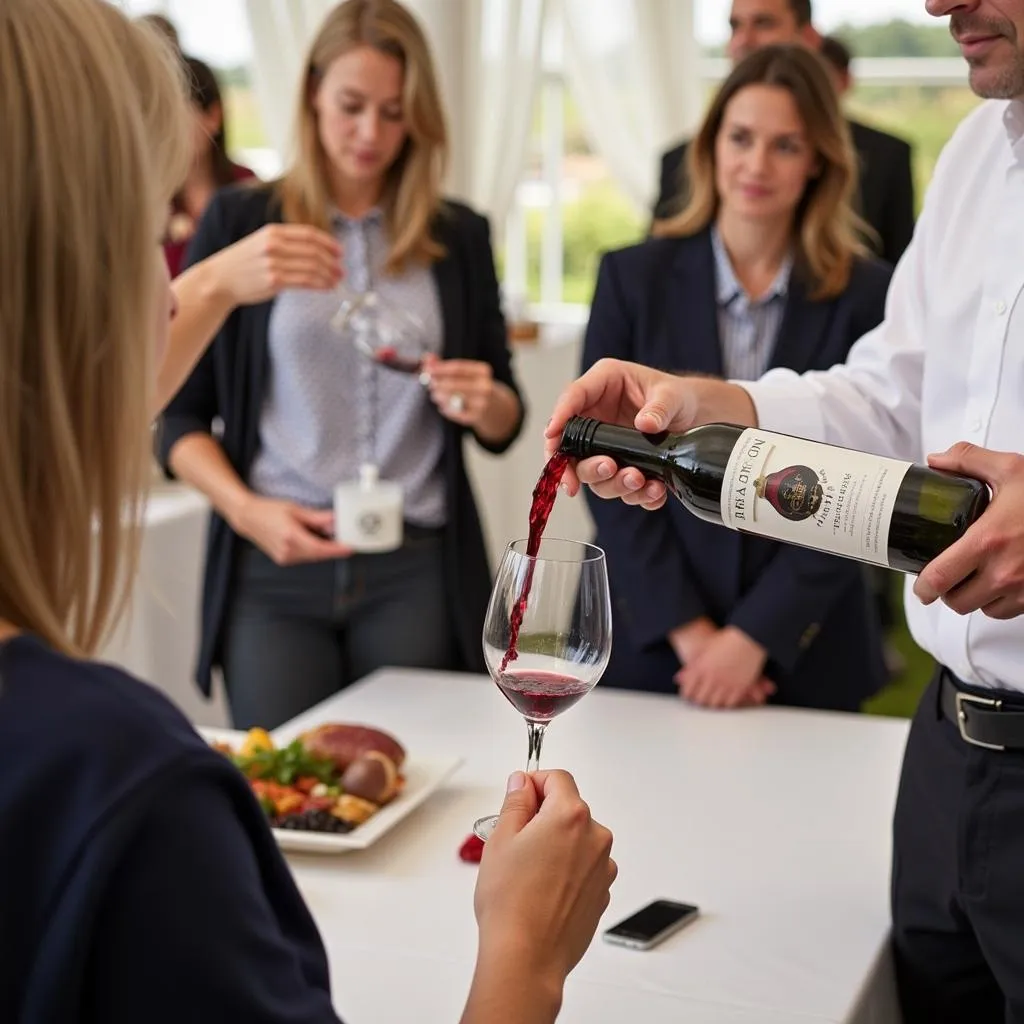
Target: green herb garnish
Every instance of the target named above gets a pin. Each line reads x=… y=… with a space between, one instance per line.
x=286 y=764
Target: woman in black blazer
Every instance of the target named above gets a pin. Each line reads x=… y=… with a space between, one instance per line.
x=761 y=269
x=283 y=407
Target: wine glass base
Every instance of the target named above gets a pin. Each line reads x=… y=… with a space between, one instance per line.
x=483 y=828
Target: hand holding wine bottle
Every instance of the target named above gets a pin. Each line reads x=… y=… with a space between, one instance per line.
x=878 y=510
x=985 y=568
x=632 y=395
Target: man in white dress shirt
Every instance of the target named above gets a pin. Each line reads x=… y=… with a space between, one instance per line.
x=944 y=373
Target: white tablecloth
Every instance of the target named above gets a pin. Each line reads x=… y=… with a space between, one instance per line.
x=158 y=639
x=776 y=822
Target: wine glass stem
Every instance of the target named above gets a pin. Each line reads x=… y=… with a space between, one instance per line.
x=535 y=735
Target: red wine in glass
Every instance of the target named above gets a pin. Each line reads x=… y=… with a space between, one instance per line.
x=539 y=695
x=389 y=356
x=544 y=495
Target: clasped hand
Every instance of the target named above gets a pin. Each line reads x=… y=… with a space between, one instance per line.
x=721 y=668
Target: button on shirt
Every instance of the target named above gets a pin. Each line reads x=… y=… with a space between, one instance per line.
x=747 y=328
x=946 y=364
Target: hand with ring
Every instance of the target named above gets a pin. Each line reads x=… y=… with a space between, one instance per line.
x=462 y=389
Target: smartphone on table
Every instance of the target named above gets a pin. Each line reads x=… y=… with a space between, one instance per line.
x=652 y=924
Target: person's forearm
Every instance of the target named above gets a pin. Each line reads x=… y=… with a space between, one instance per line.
x=203 y=306
x=685 y=638
x=501 y=416
x=720 y=401
x=506 y=988
x=200 y=461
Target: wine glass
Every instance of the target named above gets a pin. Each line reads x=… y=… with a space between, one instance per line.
x=382 y=331
x=547 y=635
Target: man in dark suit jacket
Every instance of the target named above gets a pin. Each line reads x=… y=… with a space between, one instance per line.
x=886 y=199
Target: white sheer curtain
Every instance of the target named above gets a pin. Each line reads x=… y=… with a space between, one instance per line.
x=504 y=64
x=633 y=69
x=488 y=56
x=281 y=32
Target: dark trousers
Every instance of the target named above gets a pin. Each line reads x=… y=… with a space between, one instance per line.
x=298 y=634
x=958 y=876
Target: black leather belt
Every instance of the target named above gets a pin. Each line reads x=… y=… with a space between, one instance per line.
x=982 y=721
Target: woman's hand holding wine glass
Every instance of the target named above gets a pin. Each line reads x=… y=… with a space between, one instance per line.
x=462 y=389
x=288 y=533
x=543 y=885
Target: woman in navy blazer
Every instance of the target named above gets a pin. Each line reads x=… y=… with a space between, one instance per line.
x=282 y=408
x=762 y=269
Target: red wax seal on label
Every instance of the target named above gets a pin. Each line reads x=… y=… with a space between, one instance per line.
x=472 y=850
x=794 y=492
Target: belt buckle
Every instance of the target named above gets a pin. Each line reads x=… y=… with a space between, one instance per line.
x=961 y=717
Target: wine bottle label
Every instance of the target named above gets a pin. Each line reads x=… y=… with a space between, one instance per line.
x=812 y=494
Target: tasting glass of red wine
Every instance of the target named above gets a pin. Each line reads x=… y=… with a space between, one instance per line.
x=547 y=635
x=382 y=331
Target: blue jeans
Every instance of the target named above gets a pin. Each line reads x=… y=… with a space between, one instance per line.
x=298 y=634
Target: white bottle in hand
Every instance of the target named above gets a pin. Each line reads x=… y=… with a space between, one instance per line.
x=368 y=512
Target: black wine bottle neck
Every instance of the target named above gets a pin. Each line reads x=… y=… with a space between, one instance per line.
x=650 y=453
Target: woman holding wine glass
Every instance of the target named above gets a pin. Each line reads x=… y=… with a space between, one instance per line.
x=376 y=273
x=762 y=269
x=141 y=880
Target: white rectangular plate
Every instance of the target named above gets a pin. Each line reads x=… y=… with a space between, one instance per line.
x=423 y=777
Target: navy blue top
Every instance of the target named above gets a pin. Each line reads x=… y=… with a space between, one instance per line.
x=656 y=304
x=138 y=877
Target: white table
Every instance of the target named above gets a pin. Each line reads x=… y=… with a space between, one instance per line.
x=776 y=822
x=158 y=639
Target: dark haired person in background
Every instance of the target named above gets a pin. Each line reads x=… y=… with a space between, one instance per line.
x=886 y=199
x=165 y=27
x=211 y=168
x=838 y=59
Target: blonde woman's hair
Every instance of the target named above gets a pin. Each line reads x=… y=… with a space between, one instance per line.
x=412 y=191
x=827 y=231
x=95 y=137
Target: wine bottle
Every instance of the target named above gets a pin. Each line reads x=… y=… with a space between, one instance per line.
x=874 y=509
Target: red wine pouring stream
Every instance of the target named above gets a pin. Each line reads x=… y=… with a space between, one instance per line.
x=544 y=495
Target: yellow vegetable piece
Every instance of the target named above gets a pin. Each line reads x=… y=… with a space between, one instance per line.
x=256 y=740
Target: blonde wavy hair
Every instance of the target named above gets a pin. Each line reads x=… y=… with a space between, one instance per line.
x=96 y=137
x=412 y=192
x=827 y=232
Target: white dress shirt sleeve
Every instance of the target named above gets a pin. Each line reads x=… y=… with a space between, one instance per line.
x=871 y=402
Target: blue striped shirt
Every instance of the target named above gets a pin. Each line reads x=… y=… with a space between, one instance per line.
x=747 y=328
x=329 y=408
